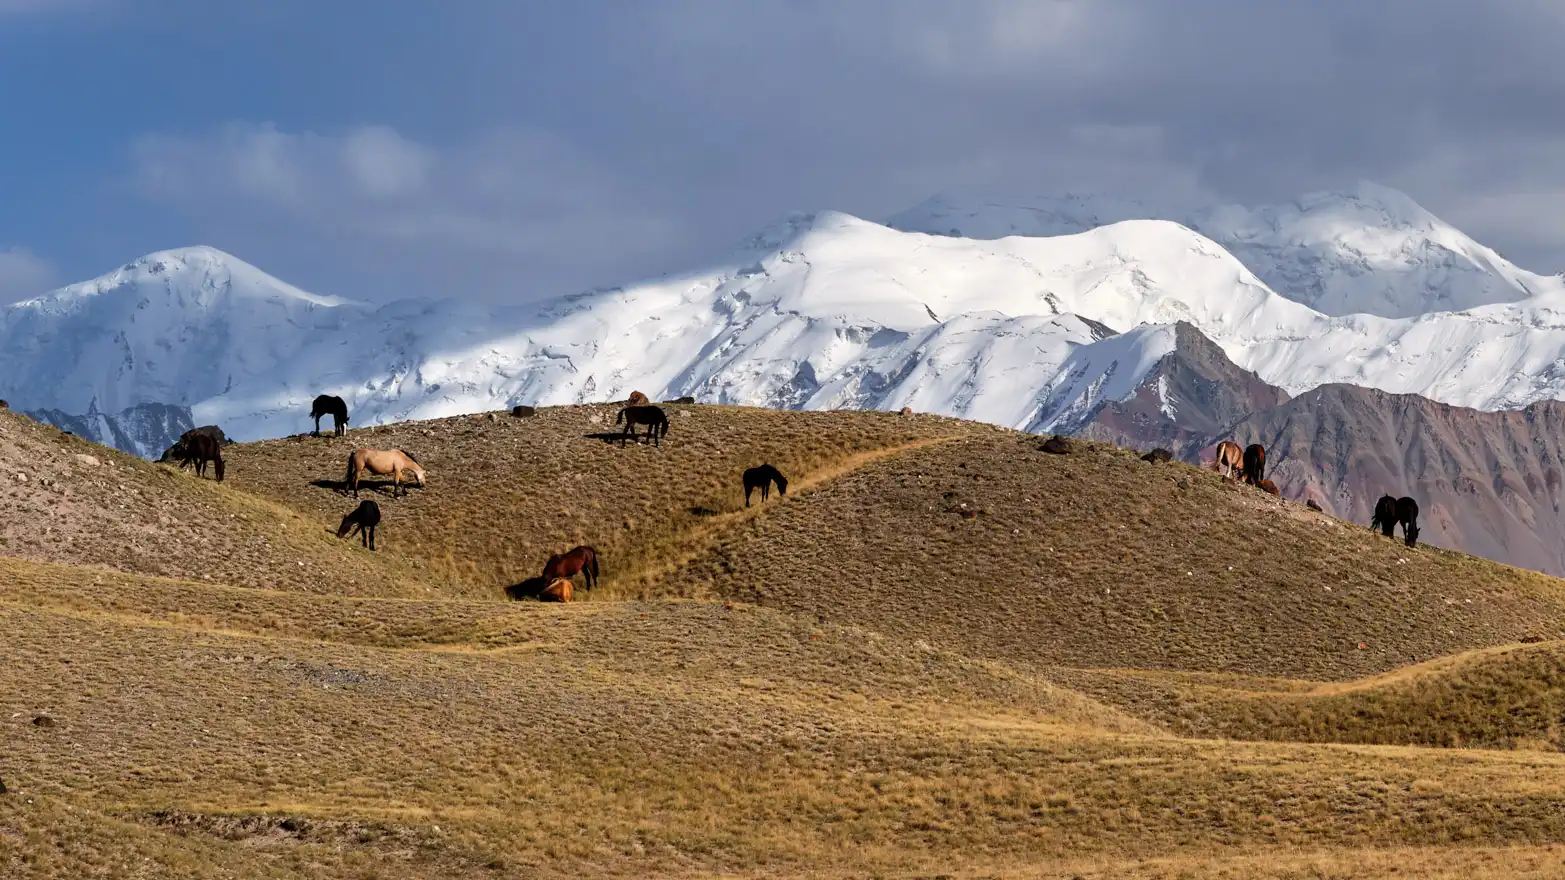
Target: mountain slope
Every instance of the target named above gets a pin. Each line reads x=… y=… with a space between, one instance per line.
x=1487 y=482
x=1369 y=249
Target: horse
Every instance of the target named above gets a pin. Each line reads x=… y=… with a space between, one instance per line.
x=523 y=412
x=651 y=416
x=1158 y=455
x=528 y=589
x=762 y=477
x=381 y=462
x=1269 y=488
x=177 y=451
x=364 y=518
x=636 y=398
x=330 y=405
x=1056 y=445
x=200 y=449
x=1230 y=460
x=558 y=590
x=1407 y=515
x=1385 y=517
x=582 y=559
x=1314 y=505
x=684 y=400
x=1254 y=464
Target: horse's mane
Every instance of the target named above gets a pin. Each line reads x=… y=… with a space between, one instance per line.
x=409 y=455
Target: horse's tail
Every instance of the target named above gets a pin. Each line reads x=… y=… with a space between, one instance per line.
x=353 y=470
x=592 y=562
x=620 y=418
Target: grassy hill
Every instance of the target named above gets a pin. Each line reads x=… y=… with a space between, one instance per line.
x=944 y=653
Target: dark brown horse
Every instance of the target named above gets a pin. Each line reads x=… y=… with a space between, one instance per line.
x=1158 y=455
x=330 y=405
x=1254 y=464
x=582 y=559
x=762 y=477
x=364 y=518
x=1407 y=515
x=651 y=416
x=200 y=449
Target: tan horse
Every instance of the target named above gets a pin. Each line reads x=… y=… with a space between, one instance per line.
x=1230 y=460
x=558 y=590
x=381 y=462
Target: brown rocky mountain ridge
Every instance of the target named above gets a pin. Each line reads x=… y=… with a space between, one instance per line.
x=1487 y=483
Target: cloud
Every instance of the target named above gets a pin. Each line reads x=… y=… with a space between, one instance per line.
x=24 y=274
x=515 y=212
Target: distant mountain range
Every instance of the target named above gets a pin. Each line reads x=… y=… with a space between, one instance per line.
x=1072 y=315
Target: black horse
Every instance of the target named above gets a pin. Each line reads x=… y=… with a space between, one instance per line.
x=365 y=518
x=762 y=477
x=1407 y=515
x=330 y=405
x=1390 y=511
x=1385 y=517
x=653 y=417
x=1254 y=464
x=1157 y=455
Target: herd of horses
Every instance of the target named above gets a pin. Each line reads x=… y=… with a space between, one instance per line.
x=1248 y=465
x=204 y=445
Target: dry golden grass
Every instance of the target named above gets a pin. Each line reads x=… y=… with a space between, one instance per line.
x=854 y=681
x=506 y=493
x=1098 y=559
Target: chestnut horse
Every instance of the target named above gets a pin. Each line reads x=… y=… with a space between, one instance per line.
x=582 y=559
x=1230 y=460
x=381 y=462
x=1269 y=488
x=636 y=398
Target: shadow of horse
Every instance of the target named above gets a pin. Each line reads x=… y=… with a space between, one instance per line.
x=384 y=487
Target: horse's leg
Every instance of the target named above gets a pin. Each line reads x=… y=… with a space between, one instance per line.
x=747 y=490
x=372 y=536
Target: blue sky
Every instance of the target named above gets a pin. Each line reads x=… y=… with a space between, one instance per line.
x=511 y=150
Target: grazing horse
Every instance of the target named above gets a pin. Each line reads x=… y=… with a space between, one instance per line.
x=523 y=412
x=381 y=462
x=178 y=453
x=1229 y=461
x=558 y=590
x=200 y=449
x=1385 y=517
x=1407 y=515
x=762 y=478
x=582 y=559
x=1158 y=455
x=1314 y=505
x=1056 y=445
x=1254 y=464
x=636 y=398
x=1269 y=488
x=330 y=405
x=364 y=518
x=651 y=416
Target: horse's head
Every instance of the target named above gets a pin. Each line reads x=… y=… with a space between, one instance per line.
x=418 y=475
x=347 y=523
x=219 y=466
x=782 y=485
x=1412 y=535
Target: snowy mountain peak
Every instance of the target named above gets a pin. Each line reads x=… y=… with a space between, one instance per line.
x=200 y=275
x=1368 y=249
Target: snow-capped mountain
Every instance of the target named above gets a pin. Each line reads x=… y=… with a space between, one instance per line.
x=819 y=311
x=1367 y=250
